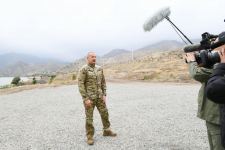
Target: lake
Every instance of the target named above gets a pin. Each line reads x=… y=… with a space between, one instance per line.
x=7 y=80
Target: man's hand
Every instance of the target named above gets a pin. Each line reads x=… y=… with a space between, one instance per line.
x=222 y=55
x=88 y=103
x=190 y=57
x=104 y=99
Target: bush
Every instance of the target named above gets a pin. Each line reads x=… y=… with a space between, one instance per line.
x=52 y=78
x=16 y=81
x=150 y=76
x=147 y=77
x=74 y=77
x=34 y=81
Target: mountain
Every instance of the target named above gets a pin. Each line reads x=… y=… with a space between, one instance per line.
x=121 y=56
x=12 y=58
x=166 y=66
x=162 y=61
x=162 y=46
x=118 y=56
x=16 y=64
x=115 y=52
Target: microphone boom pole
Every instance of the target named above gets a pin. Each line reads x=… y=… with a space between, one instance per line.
x=158 y=17
x=168 y=19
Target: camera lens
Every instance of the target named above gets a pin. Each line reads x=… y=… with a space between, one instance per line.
x=214 y=57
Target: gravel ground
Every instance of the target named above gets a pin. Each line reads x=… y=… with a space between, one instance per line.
x=145 y=115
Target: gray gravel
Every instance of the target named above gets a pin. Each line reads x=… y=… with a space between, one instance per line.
x=145 y=116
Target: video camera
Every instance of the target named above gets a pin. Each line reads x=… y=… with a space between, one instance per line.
x=204 y=54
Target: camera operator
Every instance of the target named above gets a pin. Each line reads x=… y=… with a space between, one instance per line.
x=216 y=85
x=207 y=110
x=215 y=89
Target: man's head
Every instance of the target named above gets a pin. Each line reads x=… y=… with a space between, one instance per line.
x=221 y=38
x=91 y=58
x=221 y=49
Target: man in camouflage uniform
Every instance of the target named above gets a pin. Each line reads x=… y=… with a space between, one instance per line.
x=92 y=87
x=207 y=110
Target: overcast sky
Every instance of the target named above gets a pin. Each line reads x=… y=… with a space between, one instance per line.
x=67 y=29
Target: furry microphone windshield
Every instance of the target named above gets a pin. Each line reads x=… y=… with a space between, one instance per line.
x=155 y=19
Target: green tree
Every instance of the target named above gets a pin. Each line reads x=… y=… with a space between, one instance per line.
x=34 y=81
x=16 y=80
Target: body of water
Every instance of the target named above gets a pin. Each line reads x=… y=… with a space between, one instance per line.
x=8 y=80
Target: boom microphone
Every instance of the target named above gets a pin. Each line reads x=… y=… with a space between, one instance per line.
x=156 y=18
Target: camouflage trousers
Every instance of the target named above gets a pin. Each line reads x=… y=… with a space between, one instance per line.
x=101 y=106
x=214 y=136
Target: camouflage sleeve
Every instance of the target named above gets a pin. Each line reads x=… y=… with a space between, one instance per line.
x=199 y=73
x=81 y=84
x=103 y=84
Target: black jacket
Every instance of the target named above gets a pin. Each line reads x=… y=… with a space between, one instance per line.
x=215 y=89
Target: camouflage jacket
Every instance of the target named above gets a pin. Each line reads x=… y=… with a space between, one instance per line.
x=91 y=82
x=207 y=110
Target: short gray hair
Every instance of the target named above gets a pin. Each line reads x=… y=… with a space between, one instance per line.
x=90 y=53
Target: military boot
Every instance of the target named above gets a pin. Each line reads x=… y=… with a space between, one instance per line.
x=109 y=132
x=90 y=140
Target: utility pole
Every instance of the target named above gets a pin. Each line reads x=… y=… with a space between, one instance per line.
x=103 y=63
x=132 y=55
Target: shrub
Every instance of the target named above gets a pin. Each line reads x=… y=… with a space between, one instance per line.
x=74 y=77
x=16 y=81
x=52 y=78
x=34 y=81
x=147 y=77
